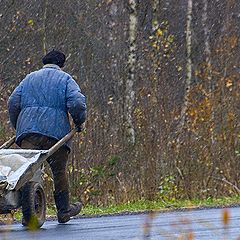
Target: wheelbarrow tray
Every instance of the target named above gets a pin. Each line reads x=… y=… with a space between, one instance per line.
x=25 y=166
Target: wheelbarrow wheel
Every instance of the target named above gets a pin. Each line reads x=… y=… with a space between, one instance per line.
x=33 y=205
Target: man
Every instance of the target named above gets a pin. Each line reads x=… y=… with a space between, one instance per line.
x=38 y=110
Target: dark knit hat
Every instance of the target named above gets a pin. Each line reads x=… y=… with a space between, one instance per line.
x=54 y=57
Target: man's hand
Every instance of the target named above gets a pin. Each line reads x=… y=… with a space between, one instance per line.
x=80 y=128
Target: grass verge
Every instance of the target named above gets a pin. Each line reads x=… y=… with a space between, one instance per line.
x=144 y=206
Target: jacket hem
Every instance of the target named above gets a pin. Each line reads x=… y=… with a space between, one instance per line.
x=24 y=134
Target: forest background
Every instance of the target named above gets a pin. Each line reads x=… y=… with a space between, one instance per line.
x=162 y=84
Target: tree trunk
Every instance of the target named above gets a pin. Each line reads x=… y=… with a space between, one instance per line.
x=186 y=102
x=130 y=93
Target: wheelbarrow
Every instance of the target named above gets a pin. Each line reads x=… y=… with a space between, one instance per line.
x=21 y=180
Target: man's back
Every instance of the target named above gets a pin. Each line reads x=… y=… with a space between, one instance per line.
x=45 y=88
x=40 y=104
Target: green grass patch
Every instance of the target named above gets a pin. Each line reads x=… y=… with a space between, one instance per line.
x=142 y=206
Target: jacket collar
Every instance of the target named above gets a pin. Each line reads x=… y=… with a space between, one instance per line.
x=52 y=66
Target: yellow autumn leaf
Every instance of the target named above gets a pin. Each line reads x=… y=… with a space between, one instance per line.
x=229 y=83
x=179 y=68
x=190 y=236
x=30 y=22
x=159 y=32
x=225 y=217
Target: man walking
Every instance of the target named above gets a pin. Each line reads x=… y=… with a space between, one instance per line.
x=38 y=110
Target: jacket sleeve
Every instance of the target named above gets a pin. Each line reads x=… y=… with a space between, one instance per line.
x=76 y=102
x=14 y=105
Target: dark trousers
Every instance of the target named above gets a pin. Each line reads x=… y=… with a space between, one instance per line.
x=58 y=161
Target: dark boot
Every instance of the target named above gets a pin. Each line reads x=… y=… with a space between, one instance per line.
x=64 y=209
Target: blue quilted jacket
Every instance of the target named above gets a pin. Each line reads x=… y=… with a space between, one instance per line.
x=42 y=101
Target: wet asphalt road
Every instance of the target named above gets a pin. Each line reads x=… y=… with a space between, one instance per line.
x=203 y=224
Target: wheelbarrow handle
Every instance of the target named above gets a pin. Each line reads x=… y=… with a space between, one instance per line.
x=61 y=142
x=9 y=143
